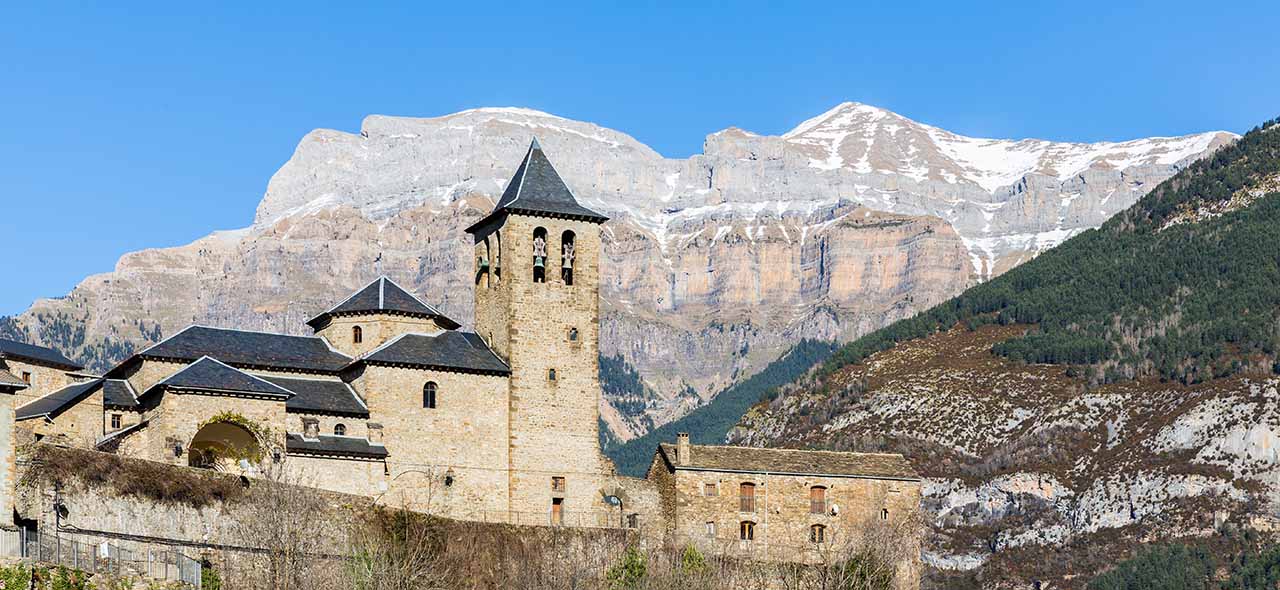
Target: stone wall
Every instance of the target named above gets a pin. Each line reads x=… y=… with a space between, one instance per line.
x=375 y=330
x=8 y=455
x=205 y=514
x=44 y=380
x=466 y=432
x=357 y=427
x=79 y=425
x=127 y=418
x=150 y=372
x=361 y=477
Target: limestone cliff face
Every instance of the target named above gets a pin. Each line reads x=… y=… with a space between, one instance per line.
x=713 y=264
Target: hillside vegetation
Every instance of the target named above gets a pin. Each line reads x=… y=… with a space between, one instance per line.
x=710 y=423
x=1118 y=391
x=1141 y=295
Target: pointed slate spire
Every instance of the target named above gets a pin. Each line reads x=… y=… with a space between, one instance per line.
x=537 y=189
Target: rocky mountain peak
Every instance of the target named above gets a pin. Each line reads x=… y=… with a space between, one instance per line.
x=716 y=263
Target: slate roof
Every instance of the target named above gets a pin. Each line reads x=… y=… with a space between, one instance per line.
x=118 y=393
x=537 y=189
x=383 y=295
x=790 y=461
x=9 y=381
x=39 y=355
x=459 y=351
x=325 y=444
x=210 y=375
x=54 y=403
x=250 y=349
x=320 y=397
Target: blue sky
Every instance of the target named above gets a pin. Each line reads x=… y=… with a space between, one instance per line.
x=132 y=125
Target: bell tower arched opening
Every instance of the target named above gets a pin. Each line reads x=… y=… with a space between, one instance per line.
x=540 y=255
x=566 y=257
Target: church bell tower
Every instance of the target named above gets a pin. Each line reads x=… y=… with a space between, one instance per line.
x=537 y=289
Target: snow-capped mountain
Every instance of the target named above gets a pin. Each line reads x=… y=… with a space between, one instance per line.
x=715 y=264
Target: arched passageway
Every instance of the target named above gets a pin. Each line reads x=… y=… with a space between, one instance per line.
x=221 y=445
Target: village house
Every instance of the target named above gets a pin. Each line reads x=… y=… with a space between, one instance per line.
x=392 y=399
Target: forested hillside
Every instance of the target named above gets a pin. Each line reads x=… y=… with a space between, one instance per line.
x=1147 y=293
x=1118 y=391
x=710 y=423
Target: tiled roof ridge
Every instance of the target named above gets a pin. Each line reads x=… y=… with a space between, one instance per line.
x=39 y=354
x=165 y=381
x=794 y=450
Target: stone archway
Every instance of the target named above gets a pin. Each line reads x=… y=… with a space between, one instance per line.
x=220 y=445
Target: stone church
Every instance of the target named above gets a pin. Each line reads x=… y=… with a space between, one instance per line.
x=389 y=398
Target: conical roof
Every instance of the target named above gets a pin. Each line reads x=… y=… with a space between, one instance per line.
x=537 y=189
x=383 y=295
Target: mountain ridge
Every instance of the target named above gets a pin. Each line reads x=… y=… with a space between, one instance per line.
x=714 y=264
x=1120 y=389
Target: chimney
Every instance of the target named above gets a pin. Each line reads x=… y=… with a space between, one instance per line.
x=310 y=428
x=682 y=448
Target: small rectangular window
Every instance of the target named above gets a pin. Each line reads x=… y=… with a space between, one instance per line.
x=747 y=530
x=709 y=490
x=26 y=377
x=817 y=500
x=557 y=484
x=747 y=498
x=115 y=421
x=711 y=529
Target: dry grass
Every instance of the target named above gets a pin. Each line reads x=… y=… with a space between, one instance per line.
x=156 y=482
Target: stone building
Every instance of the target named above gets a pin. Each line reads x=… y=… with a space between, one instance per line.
x=784 y=504
x=390 y=398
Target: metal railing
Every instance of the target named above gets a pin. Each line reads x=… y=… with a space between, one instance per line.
x=100 y=557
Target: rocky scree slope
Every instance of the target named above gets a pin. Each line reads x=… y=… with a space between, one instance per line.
x=714 y=265
x=1118 y=390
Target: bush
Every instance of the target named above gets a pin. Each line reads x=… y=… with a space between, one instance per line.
x=629 y=573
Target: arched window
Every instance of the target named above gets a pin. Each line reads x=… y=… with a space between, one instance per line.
x=339 y=429
x=540 y=255
x=573 y=334
x=497 y=256
x=551 y=374
x=429 y=395
x=566 y=257
x=817 y=500
x=482 y=266
x=747 y=530
x=817 y=534
x=747 y=497
x=357 y=335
